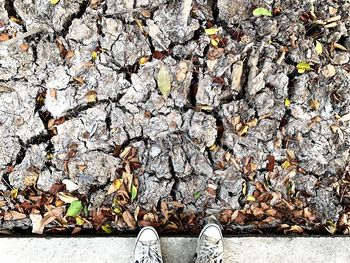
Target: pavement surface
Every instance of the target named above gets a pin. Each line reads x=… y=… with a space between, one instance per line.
x=175 y=249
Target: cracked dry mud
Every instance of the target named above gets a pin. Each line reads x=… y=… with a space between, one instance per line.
x=243 y=137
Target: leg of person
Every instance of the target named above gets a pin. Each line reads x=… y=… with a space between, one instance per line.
x=147 y=247
x=210 y=247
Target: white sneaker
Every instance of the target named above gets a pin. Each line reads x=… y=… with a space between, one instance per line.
x=147 y=247
x=210 y=248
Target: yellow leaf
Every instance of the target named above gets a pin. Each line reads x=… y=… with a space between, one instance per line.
x=285 y=164
x=302 y=67
x=287 y=102
x=143 y=60
x=79 y=221
x=94 y=55
x=117 y=210
x=14 y=193
x=118 y=183
x=250 y=198
x=318 y=47
x=54 y=2
x=164 y=82
x=214 y=42
x=211 y=31
x=107 y=229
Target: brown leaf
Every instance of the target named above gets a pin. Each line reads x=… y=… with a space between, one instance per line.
x=4 y=37
x=271 y=163
x=57 y=187
x=14 y=215
x=24 y=47
x=129 y=219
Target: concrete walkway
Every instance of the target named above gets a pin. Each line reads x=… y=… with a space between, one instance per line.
x=175 y=250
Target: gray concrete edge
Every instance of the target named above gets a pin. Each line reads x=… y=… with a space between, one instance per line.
x=174 y=249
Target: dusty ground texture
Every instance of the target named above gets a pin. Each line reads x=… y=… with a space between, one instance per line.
x=120 y=114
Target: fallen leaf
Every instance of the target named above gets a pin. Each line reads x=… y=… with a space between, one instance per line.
x=66 y=197
x=270 y=163
x=314 y=104
x=197 y=194
x=24 y=47
x=133 y=193
x=345 y=117
x=164 y=82
x=4 y=37
x=107 y=228
x=14 y=215
x=143 y=60
x=54 y=2
x=91 y=96
x=250 y=198
x=70 y=185
x=303 y=66
x=211 y=31
x=129 y=219
x=287 y=102
x=79 y=221
x=260 y=11
x=318 y=47
x=74 y=208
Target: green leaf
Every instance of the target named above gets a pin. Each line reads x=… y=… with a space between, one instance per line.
x=197 y=195
x=133 y=192
x=54 y=2
x=318 y=48
x=302 y=67
x=163 y=80
x=260 y=11
x=74 y=208
x=107 y=229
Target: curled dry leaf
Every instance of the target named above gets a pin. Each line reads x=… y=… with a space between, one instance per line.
x=66 y=197
x=129 y=219
x=40 y=222
x=14 y=215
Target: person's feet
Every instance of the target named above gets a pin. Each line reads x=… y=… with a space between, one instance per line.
x=210 y=247
x=147 y=247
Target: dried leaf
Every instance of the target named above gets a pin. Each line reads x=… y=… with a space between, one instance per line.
x=79 y=221
x=14 y=215
x=314 y=104
x=67 y=198
x=91 y=96
x=260 y=11
x=345 y=117
x=4 y=37
x=129 y=219
x=74 y=208
x=164 y=82
x=70 y=185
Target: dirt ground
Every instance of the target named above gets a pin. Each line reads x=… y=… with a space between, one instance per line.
x=119 y=114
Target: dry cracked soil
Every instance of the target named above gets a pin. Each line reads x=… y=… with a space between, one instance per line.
x=119 y=114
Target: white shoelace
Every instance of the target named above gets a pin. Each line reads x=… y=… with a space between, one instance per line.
x=208 y=253
x=150 y=253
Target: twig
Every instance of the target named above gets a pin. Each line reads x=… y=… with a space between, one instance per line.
x=125 y=11
x=24 y=35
